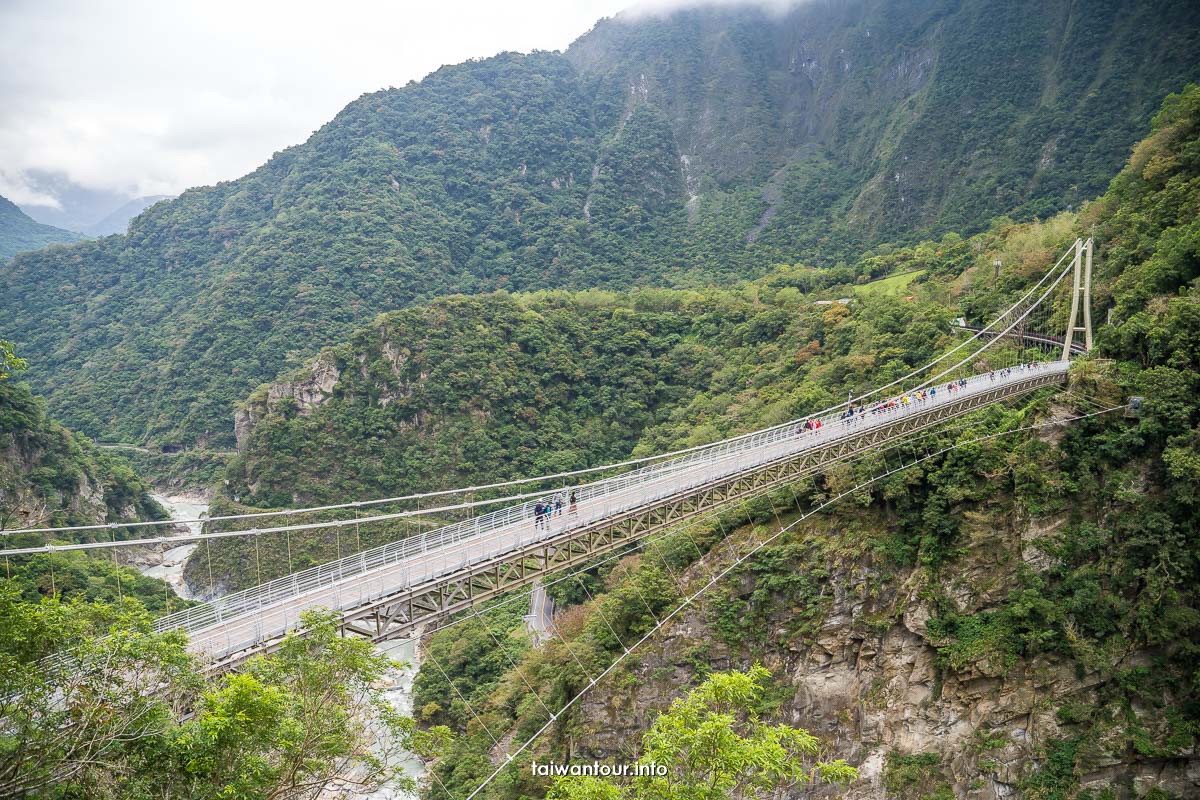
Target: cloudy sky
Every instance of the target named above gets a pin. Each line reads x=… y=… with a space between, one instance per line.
x=148 y=97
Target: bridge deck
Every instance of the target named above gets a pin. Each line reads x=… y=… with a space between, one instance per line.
x=245 y=621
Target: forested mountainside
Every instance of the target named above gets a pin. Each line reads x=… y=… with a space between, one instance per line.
x=1019 y=619
x=1016 y=618
x=51 y=477
x=711 y=143
x=19 y=233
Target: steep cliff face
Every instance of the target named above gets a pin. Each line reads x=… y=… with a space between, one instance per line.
x=866 y=674
x=310 y=389
x=907 y=101
x=50 y=476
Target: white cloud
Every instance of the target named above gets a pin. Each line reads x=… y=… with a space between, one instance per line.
x=14 y=187
x=147 y=97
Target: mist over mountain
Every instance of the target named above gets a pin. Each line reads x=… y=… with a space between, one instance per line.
x=90 y=211
x=66 y=204
x=708 y=144
x=19 y=233
x=117 y=221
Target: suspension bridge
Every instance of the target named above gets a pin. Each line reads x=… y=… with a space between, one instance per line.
x=415 y=585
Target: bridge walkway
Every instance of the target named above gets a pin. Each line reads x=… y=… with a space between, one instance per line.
x=418 y=581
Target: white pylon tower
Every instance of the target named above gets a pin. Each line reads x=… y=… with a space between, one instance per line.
x=1081 y=294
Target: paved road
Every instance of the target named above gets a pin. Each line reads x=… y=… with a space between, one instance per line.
x=541 y=614
x=599 y=501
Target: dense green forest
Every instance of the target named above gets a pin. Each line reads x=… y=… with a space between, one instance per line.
x=19 y=233
x=130 y=714
x=51 y=477
x=705 y=145
x=1048 y=582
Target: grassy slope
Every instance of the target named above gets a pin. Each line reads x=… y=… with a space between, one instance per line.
x=890 y=286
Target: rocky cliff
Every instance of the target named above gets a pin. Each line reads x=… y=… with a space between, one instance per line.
x=867 y=675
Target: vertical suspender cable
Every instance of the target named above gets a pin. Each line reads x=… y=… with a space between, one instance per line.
x=116 y=566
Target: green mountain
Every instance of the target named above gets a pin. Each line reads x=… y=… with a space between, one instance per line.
x=1018 y=618
x=708 y=144
x=51 y=477
x=19 y=233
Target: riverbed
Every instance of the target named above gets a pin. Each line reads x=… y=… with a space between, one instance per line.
x=398 y=681
x=399 y=694
x=169 y=567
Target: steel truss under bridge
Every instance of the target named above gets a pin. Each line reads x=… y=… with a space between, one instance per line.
x=388 y=603
x=414 y=584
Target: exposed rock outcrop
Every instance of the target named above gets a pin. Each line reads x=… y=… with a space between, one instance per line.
x=301 y=394
x=871 y=683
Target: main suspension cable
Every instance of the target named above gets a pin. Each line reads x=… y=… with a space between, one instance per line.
x=587 y=470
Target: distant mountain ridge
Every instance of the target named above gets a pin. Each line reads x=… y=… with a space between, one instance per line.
x=19 y=233
x=700 y=147
x=117 y=221
x=90 y=210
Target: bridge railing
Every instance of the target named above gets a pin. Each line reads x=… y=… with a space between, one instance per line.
x=596 y=500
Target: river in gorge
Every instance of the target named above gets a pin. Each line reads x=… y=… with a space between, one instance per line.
x=397 y=683
x=169 y=564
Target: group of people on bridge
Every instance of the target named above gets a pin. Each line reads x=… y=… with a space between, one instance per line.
x=544 y=510
x=1004 y=373
x=549 y=508
x=918 y=396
